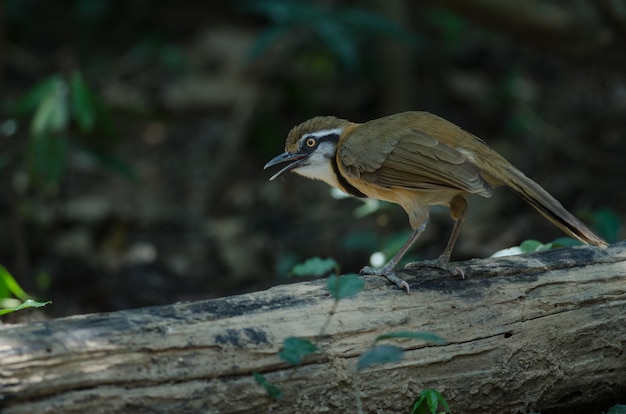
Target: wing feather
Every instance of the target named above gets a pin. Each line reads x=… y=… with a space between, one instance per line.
x=409 y=158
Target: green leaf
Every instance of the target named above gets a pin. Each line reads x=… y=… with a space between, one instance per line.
x=33 y=97
x=530 y=246
x=429 y=402
x=52 y=113
x=272 y=390
x=607 y=223
x=9 y=286
x=4 y=290
x=617 y=409
x=380 y=354
x=565 y=242
x=420 y=336
x=346 y=286
x=29 y=303
x=82 y=102
x=316 y=267
x=294 y=349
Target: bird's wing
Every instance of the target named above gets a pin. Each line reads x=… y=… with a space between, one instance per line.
x=397 y=151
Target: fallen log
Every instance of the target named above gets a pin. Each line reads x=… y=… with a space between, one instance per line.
x=543 y=332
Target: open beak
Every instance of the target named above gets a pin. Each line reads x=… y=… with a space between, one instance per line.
x=297 y=159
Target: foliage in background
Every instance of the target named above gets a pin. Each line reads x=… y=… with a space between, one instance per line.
x=65 y=116
x=12 y=296
x=341 y=30
x=451 y=26
x=606 y=223
x=316 y=266
x=57 y=119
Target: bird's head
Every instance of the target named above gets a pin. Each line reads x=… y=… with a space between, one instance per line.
x=311 y=147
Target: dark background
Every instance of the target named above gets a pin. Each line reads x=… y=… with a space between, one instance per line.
x=168 y=200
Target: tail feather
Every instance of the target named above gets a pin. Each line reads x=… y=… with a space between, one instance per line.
x=549 y=207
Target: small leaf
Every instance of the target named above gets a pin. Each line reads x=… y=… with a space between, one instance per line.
x=381 y=354
x=82 y=102
x=429 y=402
x=33 y=97
x=52 y=113
x=316 y=267
x=29 y=303
x=565 y=242
x=294 y=349
x=346 y=286
x=420 y=336
x=272 y=390
x=617 y=409
x=607 y=223
x=432 y=400
x=530 y=246
x=8 y=285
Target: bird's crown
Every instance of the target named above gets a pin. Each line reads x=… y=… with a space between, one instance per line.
x=318 y=126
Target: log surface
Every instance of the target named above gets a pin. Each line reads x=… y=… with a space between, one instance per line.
x=545 y=332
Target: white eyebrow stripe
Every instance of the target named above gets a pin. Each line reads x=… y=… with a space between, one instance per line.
x=323 y=133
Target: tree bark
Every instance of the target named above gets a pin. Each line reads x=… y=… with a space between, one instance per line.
x=545 y=331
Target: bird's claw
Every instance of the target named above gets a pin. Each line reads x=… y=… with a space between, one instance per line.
x=389 y=273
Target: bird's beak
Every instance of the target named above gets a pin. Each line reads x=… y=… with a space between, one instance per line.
x=297 y=159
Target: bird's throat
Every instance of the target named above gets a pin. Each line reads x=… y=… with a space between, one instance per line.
x=328 y=171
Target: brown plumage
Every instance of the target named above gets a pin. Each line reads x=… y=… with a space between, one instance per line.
x=415 y=159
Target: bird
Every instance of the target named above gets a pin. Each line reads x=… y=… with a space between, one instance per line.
x=414 y=159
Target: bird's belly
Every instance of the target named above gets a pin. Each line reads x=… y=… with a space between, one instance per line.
x=414 y=202
x=406 y=197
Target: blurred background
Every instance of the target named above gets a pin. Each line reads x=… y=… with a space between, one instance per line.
x=133 y=134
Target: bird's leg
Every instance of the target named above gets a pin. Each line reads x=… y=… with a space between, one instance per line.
x=388 y=270
x=458 y=208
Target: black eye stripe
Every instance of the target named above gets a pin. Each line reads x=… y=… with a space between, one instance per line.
x=318 y=140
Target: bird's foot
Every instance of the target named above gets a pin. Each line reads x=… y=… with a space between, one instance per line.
x=389 y=273
x=443 y=263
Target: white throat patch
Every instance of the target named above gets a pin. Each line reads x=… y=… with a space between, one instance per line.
x=319 y=164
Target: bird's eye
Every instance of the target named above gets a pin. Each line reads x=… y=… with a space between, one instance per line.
x=310 y=142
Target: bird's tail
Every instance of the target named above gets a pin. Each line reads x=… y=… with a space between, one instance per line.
x=548 y=206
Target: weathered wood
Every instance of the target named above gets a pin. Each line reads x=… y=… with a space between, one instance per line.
x=537 y=332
